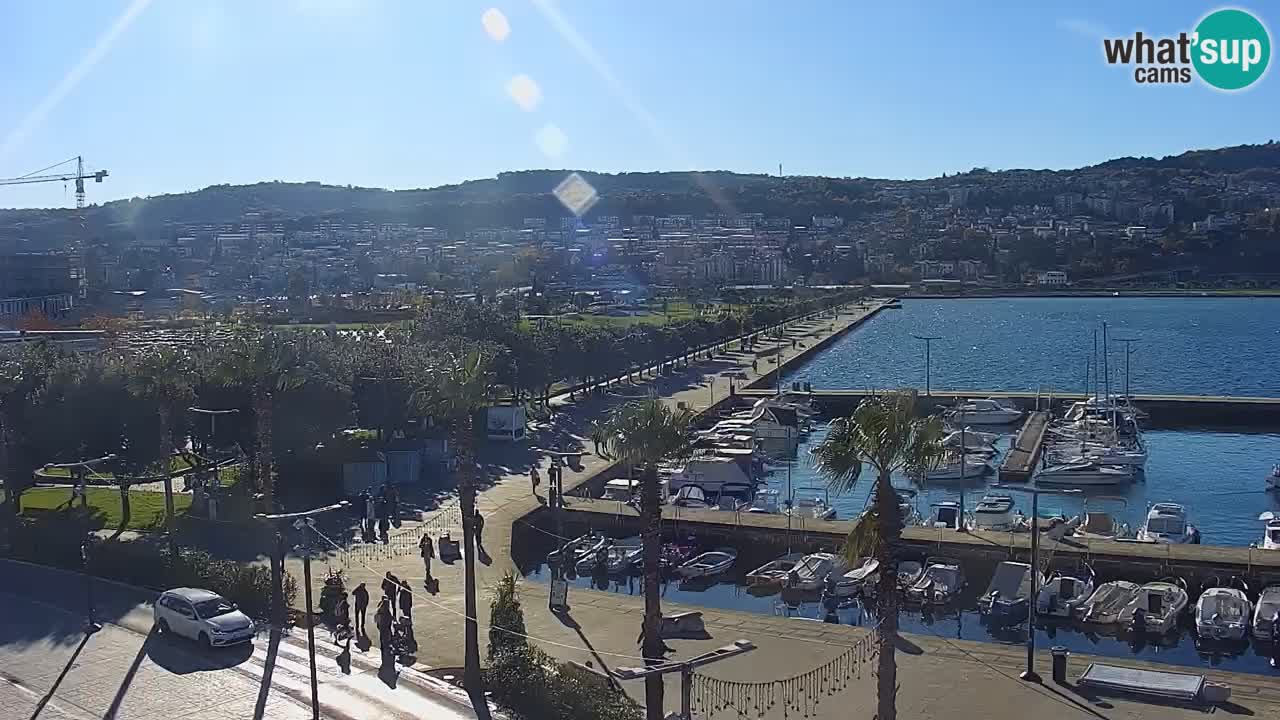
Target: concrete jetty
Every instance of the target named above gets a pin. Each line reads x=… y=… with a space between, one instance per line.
x=1021 y=459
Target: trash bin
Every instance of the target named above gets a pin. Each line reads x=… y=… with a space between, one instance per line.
x=1060 y=655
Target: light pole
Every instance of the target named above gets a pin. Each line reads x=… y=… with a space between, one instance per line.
x=1030 y=674
x=78 y=471
x=928 y=343
x=686 y=668
x=1128 y=351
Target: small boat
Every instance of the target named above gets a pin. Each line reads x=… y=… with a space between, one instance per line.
x=765 y=501
x=996 y=513
x=675 y=554
x=1010 y=588
x=1062 y=594
x=1222 y=613
x=984 y=412
x=1107 y=602
x=812 y=571
x=1085 y=472
x=1273 y=480
x=1266 y=611
x=616 y=560
x=692 y=497
x=774 y=572
x=909 y=572
x=972 y=443
x=1167 y=524
x=1100 y=524
x=945 y=515
x=812 y=505
x=578 y=548
x=960 y=467
x=851 y=582
x=1270 y=531
x=939 y=584
x=708 y=564
x=1160 y=603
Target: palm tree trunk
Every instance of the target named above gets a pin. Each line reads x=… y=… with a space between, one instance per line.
x=890 y=524
x=651 y=510
x=262 y=418
x=126 y=510
x=166 y=467
x=471 y=679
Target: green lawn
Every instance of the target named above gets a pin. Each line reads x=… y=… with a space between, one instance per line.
x=147 y=508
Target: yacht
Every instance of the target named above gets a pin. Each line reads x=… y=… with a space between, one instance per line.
x=1167 y=524
x=710 y=472
x=970 y=442
x=960 y=467
x=774 y=572
x=984 y=412
x=809 y=504
x=1222 y=613
x=1062 y=594
x=766 y=501
x=946 y=515
x=1270 y=531
x=1265 y=612
x=1134 y=456
x=1006 y=597
x=852 y=581
x=941 y=581
x=692 y=497
x=1161 y=602
x=708 y=564
x=811 y=572
x=996 y=513
x=1085 y=472
x=1107 y=602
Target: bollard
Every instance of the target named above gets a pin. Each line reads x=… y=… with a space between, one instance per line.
x=1060 y=655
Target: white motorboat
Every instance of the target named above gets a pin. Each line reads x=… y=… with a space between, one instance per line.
x=941 y=581
x=984 y=412
x=960 y=467
x=909 y=573
x=734 y=496
x=1167 y=524
x=708 y=563
x=1161 y=602
x=972 y=443
x=1273 y=480
x=852 y=581
x=996 y=513
x=1010 y=588
x=1103 y=454
x=710 y=472
x=945 y=515
x=766 y=501
x=812 y=503
x=1107 y=602
x=1062 y=594
x=1270 y=531
x=1100 y=524
x=581 y=547
x=1266 y=611
x=692 y=497
x=1222 y=613
x=774 y=572
x=812 y=571
x=1084 y=472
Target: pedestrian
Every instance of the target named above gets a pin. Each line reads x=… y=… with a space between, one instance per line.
x=478 y=525
x=384 y=529
x=1275 y=640
x=390 y=585
x=393 y=504
x=428 y=551
x=535 y=479
x=383 y=620
x=369 y=509
x=361 y=595
x=342 y=620
x=406 y=602
x=406 y=619
x=755 y=366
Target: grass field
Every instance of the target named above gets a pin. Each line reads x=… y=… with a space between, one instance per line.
x=147 y=508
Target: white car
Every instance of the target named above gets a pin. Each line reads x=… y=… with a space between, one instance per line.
x=202 y=615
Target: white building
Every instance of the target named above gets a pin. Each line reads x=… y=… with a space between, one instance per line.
x=1052 y=278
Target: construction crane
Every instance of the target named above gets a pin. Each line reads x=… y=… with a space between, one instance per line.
x=79 y=176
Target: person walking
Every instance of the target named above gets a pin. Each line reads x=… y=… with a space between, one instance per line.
x=478 y=525
x=342 y=620
x=369 y=518
x=393 y=504
x=383 y=620
x=428 y=551
x=361 y=595
x=535 y=479
x=406 y=619
x=390 y=586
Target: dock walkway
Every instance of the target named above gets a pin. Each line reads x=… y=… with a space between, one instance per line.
x=1021 y=459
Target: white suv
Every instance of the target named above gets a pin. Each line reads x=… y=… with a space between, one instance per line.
x=202 y=615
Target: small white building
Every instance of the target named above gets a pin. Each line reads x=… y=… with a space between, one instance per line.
x=1052 y=278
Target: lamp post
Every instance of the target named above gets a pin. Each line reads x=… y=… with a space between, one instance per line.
x=686 y=668
x=303 y=521
x=78 y=470
x=928 y=343
x=1030 y=674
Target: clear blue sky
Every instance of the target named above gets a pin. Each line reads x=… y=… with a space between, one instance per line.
x=173 y=95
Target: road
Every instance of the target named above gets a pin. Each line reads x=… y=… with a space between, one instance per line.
x=49 y=670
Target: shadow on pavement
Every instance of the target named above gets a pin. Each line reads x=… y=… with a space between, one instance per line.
x=30 y=591
x=53 y=690
x=181 y=656
x=268 y=667
x=129 y=674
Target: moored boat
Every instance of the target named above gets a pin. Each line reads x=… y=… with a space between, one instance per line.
x=939 y=584
x=774 y=572
x=996 y=513
x=1062 y=594
x=1270 y=531
x=708 y=564
x=1266 y=612
x=1222 y=613
x=1154 y=608
x=851 y=582
x=1006 y=597
x=1107 y=602
x=812 y=571
x=1167 y=524
x=1084 y=472
x=984 y=412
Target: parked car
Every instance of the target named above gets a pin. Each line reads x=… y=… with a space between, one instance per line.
x=203 y=616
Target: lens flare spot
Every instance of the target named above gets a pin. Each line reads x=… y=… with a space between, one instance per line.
x=525 y=92
x=576 y=194
x=495 y=24
x=551 y=141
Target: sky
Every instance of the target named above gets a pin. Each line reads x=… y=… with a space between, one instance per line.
x=174 y=95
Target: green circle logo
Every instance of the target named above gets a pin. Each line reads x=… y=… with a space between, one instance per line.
x=1232 y=49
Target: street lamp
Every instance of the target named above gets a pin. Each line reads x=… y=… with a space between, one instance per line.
x=928 y=342
x=1030 y=674
x=78 y=471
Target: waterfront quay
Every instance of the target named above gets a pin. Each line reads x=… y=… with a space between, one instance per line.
x=1166 y=411
x=772 y=534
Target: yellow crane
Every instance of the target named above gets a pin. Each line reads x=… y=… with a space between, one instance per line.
x=78 y=175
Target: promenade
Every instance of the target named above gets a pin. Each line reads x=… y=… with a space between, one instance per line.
x=939 y=677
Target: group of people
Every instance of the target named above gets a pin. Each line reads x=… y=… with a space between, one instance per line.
x=378 y=512
x=393 y=618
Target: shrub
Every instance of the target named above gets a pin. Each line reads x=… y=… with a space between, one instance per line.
x=506 y=618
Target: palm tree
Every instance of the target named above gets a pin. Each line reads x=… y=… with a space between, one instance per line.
x=161 y=377
x=884 y=433
x=645 y=433
x=453 y=386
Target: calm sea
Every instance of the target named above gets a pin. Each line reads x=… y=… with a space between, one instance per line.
x=1187 y=346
